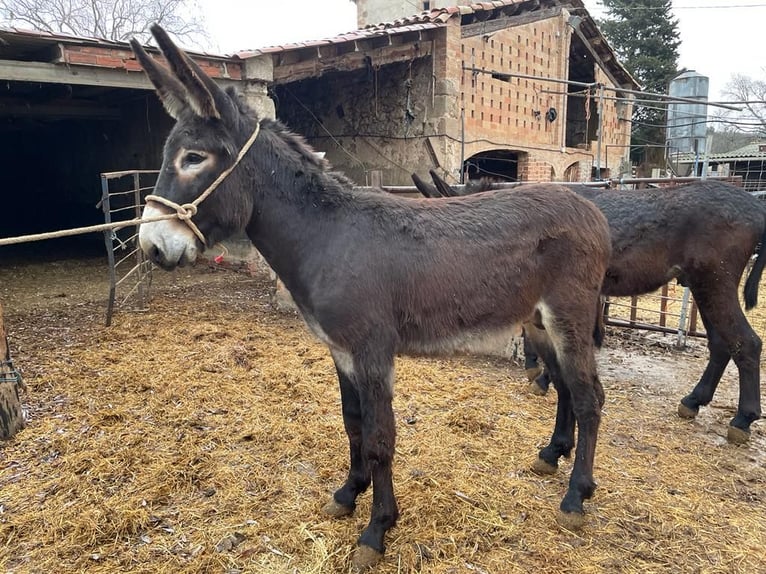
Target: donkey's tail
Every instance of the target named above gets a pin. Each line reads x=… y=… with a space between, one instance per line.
x=751 y=285
x=599 y=329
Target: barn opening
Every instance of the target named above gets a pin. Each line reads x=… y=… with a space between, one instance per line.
x=582 y=107
x=55 y=140
x=499 y=165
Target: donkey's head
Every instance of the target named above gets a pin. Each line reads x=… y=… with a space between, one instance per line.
x=211 y=127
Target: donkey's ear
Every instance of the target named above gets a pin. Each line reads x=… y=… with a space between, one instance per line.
x=171 y=92
x=443 y=187
x=200 y=88
x=425 y=189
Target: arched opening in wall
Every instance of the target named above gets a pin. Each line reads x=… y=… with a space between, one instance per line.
x=572 y=172
x=498 y=164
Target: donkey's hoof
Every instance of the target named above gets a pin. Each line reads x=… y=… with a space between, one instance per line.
x=536 y=389
x=336 y=510
x=365 y=558
x=736 y=435
x=534 y=372
x=570 y=520
x=541 y=466
x=687 y=412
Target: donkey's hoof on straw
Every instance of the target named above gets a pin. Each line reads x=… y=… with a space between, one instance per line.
x=536 y=389
x=686 y=412
x=542 y=467
x=570 y=520
x=336 y=510
x=365 y=558
x=736 y=435
x=534 y=372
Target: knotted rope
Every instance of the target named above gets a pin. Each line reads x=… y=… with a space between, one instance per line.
x=186 y=211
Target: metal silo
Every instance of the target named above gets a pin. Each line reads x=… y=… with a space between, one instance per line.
x=687 y=121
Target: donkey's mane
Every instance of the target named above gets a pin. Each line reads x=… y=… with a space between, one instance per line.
x=294 y=142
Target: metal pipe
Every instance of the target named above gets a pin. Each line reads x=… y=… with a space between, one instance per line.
x=507 y=75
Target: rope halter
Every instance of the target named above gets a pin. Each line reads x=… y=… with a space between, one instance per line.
x=186 y=211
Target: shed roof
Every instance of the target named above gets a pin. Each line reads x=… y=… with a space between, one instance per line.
x=754 y=151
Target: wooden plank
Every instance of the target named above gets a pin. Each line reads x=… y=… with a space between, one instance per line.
x=45 y=73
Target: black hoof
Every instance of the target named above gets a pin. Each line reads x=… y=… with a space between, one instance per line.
x=536 y=389
x=687 y=412
x=336 y=510
x=736 y=435
x=533 y=372
x=541 y=466
x=365 y=558
x=570 y=520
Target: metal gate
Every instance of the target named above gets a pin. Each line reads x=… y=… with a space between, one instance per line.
x=670 y=310
x=130 y=273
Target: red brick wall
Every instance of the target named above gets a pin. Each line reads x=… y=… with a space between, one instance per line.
x=510 y=115
x=117 y=58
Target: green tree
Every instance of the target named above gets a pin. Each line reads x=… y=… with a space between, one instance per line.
x=644 y=34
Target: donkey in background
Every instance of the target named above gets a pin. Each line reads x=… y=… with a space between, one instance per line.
x=360 y=267
x=702 y=234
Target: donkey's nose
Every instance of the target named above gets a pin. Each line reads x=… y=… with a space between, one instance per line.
x=154 y=254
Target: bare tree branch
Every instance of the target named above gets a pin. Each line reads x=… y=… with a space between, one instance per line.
x=751 y=94
x=109 y=19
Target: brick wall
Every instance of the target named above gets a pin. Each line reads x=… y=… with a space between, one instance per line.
x=118 y=58
x=511 y=114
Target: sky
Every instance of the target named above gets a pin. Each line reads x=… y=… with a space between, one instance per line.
x=718 y=37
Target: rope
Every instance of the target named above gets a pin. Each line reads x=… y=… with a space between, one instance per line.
x=8 y=374
x=183 y=212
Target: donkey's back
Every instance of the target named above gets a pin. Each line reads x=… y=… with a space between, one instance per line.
x=456 y=273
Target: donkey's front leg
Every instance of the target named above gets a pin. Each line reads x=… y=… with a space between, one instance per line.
x=375 y=386
x=344 y=499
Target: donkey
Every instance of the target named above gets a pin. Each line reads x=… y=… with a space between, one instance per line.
x=356 y=263
x=702 y=233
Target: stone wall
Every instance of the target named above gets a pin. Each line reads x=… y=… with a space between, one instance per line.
x=380 y=118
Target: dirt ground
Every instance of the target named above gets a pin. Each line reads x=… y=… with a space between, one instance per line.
x=204 y=434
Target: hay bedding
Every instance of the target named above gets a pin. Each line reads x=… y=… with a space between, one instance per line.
x=205 y=434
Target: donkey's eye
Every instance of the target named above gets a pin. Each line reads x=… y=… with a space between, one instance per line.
x=193 y=158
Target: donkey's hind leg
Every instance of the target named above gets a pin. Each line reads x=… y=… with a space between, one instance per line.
x=722 y=313
x=343 y=502
x=704 y=390
x=563 y=438
x=581 y=397
x=532 y=367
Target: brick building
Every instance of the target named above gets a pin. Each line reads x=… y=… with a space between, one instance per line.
x=514 y=89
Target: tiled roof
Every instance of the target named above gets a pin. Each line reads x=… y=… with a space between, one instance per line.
x=438 y=18
x=426 y=20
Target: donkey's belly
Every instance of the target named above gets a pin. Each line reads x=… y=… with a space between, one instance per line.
x=493 y=342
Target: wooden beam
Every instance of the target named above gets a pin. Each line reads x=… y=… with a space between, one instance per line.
x=78 y=75
x=59 y=111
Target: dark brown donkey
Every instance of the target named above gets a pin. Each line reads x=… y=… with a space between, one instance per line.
x=703 y=234
x=357 y=263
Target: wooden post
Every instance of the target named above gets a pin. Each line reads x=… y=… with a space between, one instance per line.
x=11 y=413
x=663 y=305
x=633 y=309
